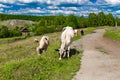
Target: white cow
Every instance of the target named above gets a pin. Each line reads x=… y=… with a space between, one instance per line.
x=36 y=40
x=76 y=32
x=43 y=44
x=66 y=39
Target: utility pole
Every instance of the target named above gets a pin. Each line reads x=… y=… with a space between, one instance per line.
x=116 y=21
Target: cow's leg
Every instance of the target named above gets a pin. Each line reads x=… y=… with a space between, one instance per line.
x=45 y=49
x=68 y=52
x=60 y=57
x=64 y=54
x=39 y=50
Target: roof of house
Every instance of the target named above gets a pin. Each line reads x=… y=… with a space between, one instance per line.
x=24 y=30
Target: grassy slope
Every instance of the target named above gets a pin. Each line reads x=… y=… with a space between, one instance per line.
x=19 y=61
x=113 y=33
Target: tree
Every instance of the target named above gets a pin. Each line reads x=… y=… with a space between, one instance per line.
x=118 y=21
x=82 y=22
x=41 y=22
x=4 y=32
x=71 y=20
x=15 y=32
x=92 y=19
x=110 y=20
x=101 y=19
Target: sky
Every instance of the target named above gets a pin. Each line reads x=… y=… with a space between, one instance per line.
x=56 y=7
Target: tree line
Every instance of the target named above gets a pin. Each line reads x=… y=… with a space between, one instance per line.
x=46 y=24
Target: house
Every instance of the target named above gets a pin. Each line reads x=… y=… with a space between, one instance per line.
x=25 y=31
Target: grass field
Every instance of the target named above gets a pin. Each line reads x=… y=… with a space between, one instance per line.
x=19 y=60
x=12 y=39
x=113 y=33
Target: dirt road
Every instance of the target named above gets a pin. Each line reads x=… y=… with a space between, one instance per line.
x=101 y=57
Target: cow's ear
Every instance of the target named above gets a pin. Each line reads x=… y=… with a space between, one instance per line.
x=63 y=28
x=56 y=49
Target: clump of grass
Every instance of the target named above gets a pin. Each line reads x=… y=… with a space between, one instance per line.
x=77 y=37
x=41 y=68
x=89 y=30
x=12 y=39
x=112 y=33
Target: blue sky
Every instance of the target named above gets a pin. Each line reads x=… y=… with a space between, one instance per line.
x=56 y=7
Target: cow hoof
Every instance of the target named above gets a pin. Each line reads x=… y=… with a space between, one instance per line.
x=39 y=54
x=59 y=58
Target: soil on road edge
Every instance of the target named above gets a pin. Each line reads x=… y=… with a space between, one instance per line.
x=101 y=56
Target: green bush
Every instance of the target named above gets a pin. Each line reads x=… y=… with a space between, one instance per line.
x=42 y=30
x=15 y=33
x=4 y=32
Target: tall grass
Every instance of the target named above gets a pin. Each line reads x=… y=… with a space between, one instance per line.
x=19 y=61
x=113 y=33
x=12 y=39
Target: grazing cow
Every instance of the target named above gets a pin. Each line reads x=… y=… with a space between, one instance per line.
x=66 y=39
x=43 y=44
x=82 y=32
x=36 y=40
x=76 y=32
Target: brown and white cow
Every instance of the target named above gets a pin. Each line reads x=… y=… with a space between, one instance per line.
x=76 y=32
x=43 y=44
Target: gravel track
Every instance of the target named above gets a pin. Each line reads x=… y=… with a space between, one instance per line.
x=101 y=56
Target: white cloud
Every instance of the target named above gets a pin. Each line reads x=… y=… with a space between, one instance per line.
x=34 y=11
x=113 y=2
x=52 y=7
x=108 y=2
x=26 y=11
x=7 y=1
x=38 y=8
x=4 y=6
x=21 y=4
x=26 y=1
x=98 y=2
x=1 y=9
x=70 y=8
x=65 y=12
x=118 y=12
x=55 y=2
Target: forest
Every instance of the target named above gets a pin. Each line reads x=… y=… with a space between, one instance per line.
x=48 y=24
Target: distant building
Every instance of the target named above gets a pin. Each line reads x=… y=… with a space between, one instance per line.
x=25 y=31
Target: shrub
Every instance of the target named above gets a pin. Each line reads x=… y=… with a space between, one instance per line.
x=42 y=30
x=15 y=33
x=4 y=32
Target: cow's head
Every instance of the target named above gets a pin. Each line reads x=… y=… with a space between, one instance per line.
x=61 y=51
x=39 y=50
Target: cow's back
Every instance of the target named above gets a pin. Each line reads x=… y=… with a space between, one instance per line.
x=67 y=36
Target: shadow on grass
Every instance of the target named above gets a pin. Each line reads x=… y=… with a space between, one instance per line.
x=73 y=52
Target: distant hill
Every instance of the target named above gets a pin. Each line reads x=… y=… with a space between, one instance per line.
x=16 y=22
